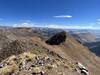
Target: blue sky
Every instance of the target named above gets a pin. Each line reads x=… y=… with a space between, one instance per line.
x=51 y=13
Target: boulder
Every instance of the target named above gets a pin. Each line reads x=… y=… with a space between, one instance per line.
x=57 y=39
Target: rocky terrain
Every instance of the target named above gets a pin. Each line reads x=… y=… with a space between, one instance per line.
x=36 y=51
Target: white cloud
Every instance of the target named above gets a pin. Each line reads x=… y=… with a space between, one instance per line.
x=71 y=26
x=24 y=24
x=63 y=16
x=57 y=26
x=98 y=23
x=27 y=24
x=98 y=20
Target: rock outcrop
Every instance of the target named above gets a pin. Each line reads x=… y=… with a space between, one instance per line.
x=57 y=39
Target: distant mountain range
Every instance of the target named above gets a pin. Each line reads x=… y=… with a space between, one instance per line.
x=89 y=38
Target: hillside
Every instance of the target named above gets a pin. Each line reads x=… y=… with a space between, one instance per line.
x=21 y=44
x=88 y=39
x=85 y=37
x=94 y=47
